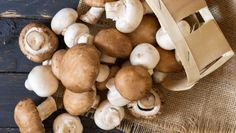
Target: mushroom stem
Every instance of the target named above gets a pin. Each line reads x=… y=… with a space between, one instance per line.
x=46 y=108
x=114 y=9
x=35 y=40
x=86 y=38
x=93 y=15
x=108 y=59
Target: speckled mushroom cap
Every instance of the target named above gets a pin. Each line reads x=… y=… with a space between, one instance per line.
x=96 y=3
x=37 y=42
x=133 y=82
x=27 y=117
x=113 y=43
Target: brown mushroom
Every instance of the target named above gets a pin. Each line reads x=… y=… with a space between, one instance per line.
x=56 y=61
x=146 y=31
x=113 y=43
x=168 y=62
x=79 y=68
x=133 y=82
x=96 y=3
x=37 y=42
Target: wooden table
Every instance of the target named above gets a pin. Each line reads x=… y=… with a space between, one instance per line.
x=14 y=66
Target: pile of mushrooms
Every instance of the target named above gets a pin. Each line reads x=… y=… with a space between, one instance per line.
x=124 y=63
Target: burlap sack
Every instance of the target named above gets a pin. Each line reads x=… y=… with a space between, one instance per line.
x=210 y=106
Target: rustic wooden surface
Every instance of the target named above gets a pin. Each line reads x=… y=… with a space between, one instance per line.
x=14 y=66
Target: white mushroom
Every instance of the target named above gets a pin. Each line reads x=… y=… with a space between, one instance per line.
x=128 y=14
x=42 y=81
x=93 y=15
x=145 y=55
x=66 y=123
x=104 y=72
x=107 y=59
x=159 y=77
x=113 y=95
x=107 y=116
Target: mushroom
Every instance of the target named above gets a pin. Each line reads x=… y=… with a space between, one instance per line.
x=37 y=42
x=102 y=85
x=103 y=73
x=147 y=107
x=29 y=118
x=145 y=55
x=107 y=59
x=113 y=95
x=42 y=81
x=164 y=40
x=113 y=43
x=133 y=82
x=47 y=62
x=146 y=31
x=128 y=14
x=79 y=68
x=56 y=62
x=66 y=123
x=127 y=63
x=108 y=116
x=78 y=103
x=63 y=19
x=168 y=62
x=159 y=77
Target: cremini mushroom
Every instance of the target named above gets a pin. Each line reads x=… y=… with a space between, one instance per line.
x=79 y=68
x=108 y=116
x=42 y=81
x=56 y=62
x=163 y=39
x=37 y=42
x=159 y=77
x=128 y=14
x=133 y=82
x=66 y=123
x=29 y=118
x=147 y=107
x=168 y=62
x=103 y=74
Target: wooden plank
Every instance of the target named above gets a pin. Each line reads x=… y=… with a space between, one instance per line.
x=34 y=8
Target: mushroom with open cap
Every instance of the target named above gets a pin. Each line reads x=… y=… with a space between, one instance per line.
x=108 y=116
x=37 y=42
x=29 y=118
x=79 y=68
x=66 y=123
x=128 y=14
x=133 y=82
x=42 y=81
x=56 y=62
x=147 y=107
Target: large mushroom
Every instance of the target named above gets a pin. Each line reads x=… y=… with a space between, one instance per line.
x=79 y=68
x=37 y=42
x=56 y=62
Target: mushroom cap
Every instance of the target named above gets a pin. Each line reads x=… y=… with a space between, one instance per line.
x=168 y=62
x=78 y=103
x=79 y=68
x=37 y=42
x=27 y=117
x=113 y=43
x=42 y=81
x=56 y=62
x=66 y=123
x=133 y=82
x=146 y=31
x=104 y=72
x=62 y=19
x=96 y=3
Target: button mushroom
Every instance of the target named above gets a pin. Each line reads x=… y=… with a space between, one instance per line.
x=103 y=74
x=37 y=42
x=79 y=68
x=107 y=116
x=66 y=123
x=42 y=81
x=29 y=118
x=128 y=14
x=147 y=107
x=133 y=82
x=56 y=62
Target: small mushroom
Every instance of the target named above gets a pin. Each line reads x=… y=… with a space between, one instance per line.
x=37 y=42
x=42 y=81
x=146 y=31
x=29 y=118
x=108 y=116
x=66 y=123
x=63 y=19
x=165 y=41
x=133 y=82
x=168 y=62
x=56 y=62
x=103 y=74
x=113 y=43
x=159 y=77
x=128 y=14
x=79 y=68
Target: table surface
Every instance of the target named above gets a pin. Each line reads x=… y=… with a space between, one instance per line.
x=14 y=66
